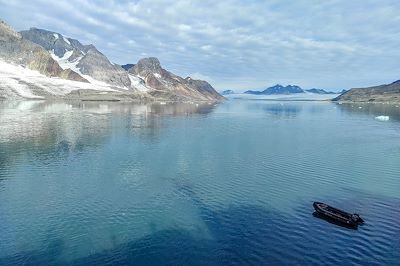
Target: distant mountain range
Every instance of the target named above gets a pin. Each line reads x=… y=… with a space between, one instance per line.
x=320 y=91
x=289 y=89
x=37 y=63
x=382 y=93
x=227 y=92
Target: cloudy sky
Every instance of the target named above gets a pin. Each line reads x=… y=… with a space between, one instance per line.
x=234 y=44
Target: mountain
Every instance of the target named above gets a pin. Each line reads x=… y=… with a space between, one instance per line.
x=18 y=50
x=290 y=89
x=38 y=63
x=277 y=89
x=168 y=85
x=84 y=59
x=227 y=92
x=127 y=66
x=320 y=91
x=382 y=93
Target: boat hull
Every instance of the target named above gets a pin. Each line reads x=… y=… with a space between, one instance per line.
x=336 y=215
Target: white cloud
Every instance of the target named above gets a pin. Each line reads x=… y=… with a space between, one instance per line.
x=198 y=75
x=236 y=44
x=206 y=47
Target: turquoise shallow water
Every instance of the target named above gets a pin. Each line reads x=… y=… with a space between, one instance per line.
x=233 y=183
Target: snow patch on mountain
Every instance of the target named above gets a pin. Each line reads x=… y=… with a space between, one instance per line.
x=16 y=80
x=20 y=89
x=66 y=40
x=138 y=83
x=65 y=63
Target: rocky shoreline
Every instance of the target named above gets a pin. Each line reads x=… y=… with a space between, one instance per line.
x=389 y=93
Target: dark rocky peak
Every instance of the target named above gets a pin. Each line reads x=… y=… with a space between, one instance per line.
x=200 y=85
x=53 y=41
x=78 y=45
x=293 y=87
x=93 y=51
x=148 y=65
x=279 y=89
x=7 y=32
x=277 y=86
x=127 y=67
x=90 y=47
x=49 y=40
x=319 y=91
x=227 y=92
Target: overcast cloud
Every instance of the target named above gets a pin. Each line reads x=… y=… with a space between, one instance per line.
x=235 y=44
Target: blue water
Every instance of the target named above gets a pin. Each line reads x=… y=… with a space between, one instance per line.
x=87 y=183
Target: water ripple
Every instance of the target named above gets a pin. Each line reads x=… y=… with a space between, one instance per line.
x=227 y=185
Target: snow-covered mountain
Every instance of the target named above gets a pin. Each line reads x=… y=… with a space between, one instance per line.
x=37 y=63
x=169 y=85
x=17 y=50
x=289 y=89
x=277 y=89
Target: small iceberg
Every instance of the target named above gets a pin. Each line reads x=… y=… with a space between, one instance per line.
x=382 y=118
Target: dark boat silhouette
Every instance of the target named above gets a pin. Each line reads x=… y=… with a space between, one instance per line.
x=337 y=216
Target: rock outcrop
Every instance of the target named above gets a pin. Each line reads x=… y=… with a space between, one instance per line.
x=166 y=84
x=85 y=58
x=227 y=92
x=319 y=91
x=18 y=50
x=382 y=93
x=97 y=66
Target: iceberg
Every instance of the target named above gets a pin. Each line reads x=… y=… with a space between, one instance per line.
x=382 y=118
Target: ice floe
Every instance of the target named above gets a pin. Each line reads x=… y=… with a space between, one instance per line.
x=382 y=118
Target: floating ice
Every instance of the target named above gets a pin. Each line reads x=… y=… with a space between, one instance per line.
x=382 y=118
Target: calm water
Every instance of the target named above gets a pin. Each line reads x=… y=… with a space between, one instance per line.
x=113 y=183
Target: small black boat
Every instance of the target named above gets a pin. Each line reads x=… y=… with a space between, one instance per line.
x=338 y=215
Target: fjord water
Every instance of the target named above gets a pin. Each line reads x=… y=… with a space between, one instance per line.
x=232 y=183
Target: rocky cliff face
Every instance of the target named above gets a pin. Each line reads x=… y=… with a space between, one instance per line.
x=18 y=50
x=382 y=93
x=52 y=41
x=54 y=55
x=166 y=84
x=97 y=66
x=86 y=59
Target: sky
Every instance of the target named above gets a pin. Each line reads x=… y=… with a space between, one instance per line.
x=239 y=45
